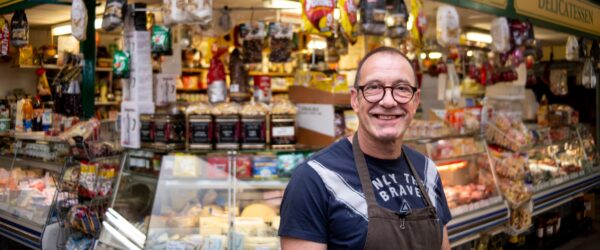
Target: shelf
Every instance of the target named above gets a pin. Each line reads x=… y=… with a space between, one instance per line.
x=271 y=74
x=561 y=190
x=193 y=70
x=185 y=183
x=102 y=69
x=36 y=136
x=20 y=230
x=56 y=67
x=199 y=91
x=139 y=177
x=301 y=94
x=477 y=217
x=50 y=166
x=454 y=158
x=107 y=103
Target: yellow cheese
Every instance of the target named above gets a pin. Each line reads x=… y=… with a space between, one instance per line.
x=263 y=211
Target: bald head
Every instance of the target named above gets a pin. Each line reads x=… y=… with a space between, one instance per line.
x=382 y=50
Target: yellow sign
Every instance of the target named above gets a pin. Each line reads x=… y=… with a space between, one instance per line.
x=494 y=3
x=574 y=14
x=4 y=3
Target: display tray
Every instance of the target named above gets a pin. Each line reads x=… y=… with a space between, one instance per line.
x=561 y=190
x=476 y=217
x=35 y=163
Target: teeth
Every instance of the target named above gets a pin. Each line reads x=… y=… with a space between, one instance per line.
x=387 y=117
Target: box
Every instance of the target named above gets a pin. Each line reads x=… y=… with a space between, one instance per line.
x=316 y=124
x=131 y=124
x=164 y=89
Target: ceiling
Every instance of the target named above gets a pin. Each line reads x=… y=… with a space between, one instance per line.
x=47 y=14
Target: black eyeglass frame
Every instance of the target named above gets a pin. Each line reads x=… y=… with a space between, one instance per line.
x=414 y=89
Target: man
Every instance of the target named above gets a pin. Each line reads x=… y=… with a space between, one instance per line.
x=342 y=198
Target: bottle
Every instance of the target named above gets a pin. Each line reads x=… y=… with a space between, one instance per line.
x=542 y=113
x=540 y=228
x=38 y=111
x=27 y=114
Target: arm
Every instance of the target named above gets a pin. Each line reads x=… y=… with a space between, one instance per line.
x=445 y=241
x=288 y=243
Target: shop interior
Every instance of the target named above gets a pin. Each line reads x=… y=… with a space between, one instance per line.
x=177 y=124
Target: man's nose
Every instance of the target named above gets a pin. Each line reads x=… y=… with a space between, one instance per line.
x=388 y=99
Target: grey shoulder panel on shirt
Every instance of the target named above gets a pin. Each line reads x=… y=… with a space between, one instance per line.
x=341 y=190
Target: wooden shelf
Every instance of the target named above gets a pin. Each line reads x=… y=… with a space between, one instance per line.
x=301 y=94
x=56 y=67
x=200 y=91
x=193 y=70
x=271 y=74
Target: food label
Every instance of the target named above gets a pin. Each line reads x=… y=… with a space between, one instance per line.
x=200 y=132
x=227 y=132
x=146 y=131
x=160 y=135
x=283 y=131
x=254 y=131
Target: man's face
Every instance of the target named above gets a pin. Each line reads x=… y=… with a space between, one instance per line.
x=385 y=120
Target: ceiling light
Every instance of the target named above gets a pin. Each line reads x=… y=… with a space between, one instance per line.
x=336 y=14
x=470 y=53
x=435 y=55
x=423 y=56
x=411 y=21
x=316 y=44
x=478 y=37
x=65 y=29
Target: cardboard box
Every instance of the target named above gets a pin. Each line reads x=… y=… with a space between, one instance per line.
x=130 y=122
x=164 y=89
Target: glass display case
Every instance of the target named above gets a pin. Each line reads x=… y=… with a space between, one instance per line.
x=28 y=191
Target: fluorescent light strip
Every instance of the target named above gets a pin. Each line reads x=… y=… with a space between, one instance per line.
x=135 y=234
x=119 y=237
x=479 y=37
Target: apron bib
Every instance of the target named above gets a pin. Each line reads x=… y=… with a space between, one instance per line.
x=416 y=228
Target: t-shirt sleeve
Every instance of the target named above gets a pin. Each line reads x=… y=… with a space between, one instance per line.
x=443 y=210
x=304 y=206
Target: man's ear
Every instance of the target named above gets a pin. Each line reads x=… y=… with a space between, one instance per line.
x=417 y=99
x=354 y=99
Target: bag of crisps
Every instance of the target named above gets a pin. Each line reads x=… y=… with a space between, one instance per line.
x=348 y=19
x=317 y=16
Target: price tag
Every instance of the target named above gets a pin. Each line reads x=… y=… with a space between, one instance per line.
x=237 y=241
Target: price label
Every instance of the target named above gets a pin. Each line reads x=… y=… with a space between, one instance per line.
x=283 y=131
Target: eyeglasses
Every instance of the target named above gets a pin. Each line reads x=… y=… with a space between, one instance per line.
x=402 y=93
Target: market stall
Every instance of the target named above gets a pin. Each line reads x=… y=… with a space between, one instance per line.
x=214 y=103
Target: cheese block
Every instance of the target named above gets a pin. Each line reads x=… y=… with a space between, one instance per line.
x=263 y=211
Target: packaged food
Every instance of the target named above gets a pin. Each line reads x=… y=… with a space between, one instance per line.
x=200 y=126
x=113 y=14
x=121 y=64
x=217 y=87
x=558 y=82
x=280 y=37
x=239 y=87
x=243 y=167
x=398 y=15
x=19 y=29
x=253 y=35
x=79 y=19
x=200 y=11
x=87 y=179
x=169 y=131
x=372 y=17
x=26 y=55
x=283 y=124
x=139 y=16
x=161 y=40
x=174 y=12
x=331 y=55
x=572 y=49
x=448 y=27
x=254 y=125
x=4 y=39
x=264 y=167
x=288 y=162
x=500 y=35
x=317 y=16
x=106 y=175
x=348 y=19
x=262 y=88
x=217 y=167
x=419 y=22
x=227 y=125
x=588 y=75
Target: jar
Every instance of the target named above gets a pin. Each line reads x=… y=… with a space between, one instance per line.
x=227 y=126
x=147 y=130
x=282 y=133
x=254 y=126
x=169 y=131
x=200 y=126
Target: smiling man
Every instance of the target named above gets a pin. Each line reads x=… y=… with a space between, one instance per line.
x=369 y=191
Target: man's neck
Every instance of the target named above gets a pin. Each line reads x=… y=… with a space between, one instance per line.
x=378 y=149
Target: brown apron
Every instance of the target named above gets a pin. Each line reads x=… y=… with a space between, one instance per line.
x=416 y=229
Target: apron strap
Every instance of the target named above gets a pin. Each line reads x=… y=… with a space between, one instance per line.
x=416 y=175
x=363 y=173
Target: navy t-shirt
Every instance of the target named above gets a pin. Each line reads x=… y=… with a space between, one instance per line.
x=324 y=201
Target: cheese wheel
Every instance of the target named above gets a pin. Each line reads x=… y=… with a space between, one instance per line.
x=263 y=211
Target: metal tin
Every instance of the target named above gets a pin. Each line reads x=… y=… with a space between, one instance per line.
x=169 y=132
x=227 y=132
x=253 y=131
x=283 y=131
x=147 y=130
x=200 y=132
